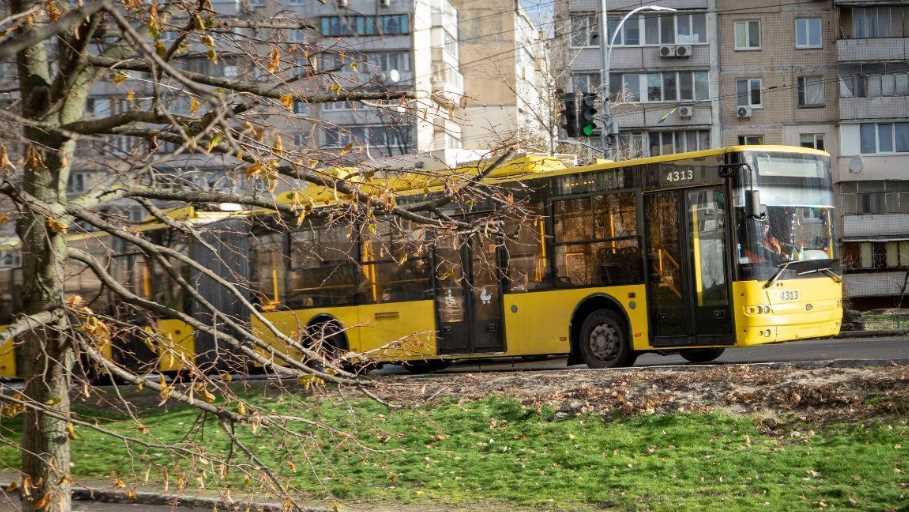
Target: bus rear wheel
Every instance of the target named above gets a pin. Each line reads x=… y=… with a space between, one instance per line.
x=604 y=342
x=702 y=355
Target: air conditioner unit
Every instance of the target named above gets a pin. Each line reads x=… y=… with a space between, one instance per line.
x=343 y=3
x=385 y=3
x=683 y=50
x=667 y=51
x=686 y=111
x=743 y=112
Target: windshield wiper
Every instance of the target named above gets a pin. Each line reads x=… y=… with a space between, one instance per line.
x=780 y=269
x=826 y=271
x=803 y=267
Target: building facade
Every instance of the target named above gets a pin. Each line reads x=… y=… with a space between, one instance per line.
x=778 y=79
x=507 y=84
x=872 y=53
x=663 y=78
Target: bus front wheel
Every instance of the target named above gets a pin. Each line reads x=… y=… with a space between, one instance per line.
x=702 y=355
x=604 y=342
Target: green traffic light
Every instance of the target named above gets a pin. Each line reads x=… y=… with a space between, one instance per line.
x=587 y=130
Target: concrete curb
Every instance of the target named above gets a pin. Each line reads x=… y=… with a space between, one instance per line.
x=871 y=334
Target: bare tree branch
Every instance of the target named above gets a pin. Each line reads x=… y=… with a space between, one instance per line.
x=22 y=40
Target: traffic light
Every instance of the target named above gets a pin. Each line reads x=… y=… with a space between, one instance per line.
x=570 y=114
x=588 y=113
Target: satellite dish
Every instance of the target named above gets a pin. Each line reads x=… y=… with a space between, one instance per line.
x=394 y=76
x=856 y=165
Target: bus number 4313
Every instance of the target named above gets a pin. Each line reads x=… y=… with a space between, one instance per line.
x=683 y=175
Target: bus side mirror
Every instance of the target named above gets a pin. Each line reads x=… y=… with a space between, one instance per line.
x=753 y=204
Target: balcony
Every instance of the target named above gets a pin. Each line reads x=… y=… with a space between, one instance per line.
x=627 y=5
x=447 y=84
x=881 y=49
x=660 y=115
x=884 y=107
x=874 y=284
x=879 y=226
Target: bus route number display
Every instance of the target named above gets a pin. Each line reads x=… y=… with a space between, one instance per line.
x=685 y=175
x=680 y=175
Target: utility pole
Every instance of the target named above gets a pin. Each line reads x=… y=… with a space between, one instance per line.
x=604 y=74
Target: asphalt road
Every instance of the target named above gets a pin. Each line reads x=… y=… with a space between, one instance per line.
x=896 y=348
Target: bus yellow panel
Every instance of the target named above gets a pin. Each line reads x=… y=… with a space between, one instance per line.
x=293 y=323
x=527 y=334
x=397 y=331
x=789 y=310
x=178 y=345
x=7 y=357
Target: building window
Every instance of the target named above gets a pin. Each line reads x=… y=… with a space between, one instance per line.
x=874 y=22
x=751 y=140
x=388 y=24
x=884 y=138
x=585 y=31
x=655 y=87
x=875 y=197
x=586 y=82
x=630 y=145
x=811 y=91
x=691 y=28
x=748 y=92
x=75 y=184
x=876 y=255
x=748 y=35
x=451 y=45
x=667 y=143
x=397 y=138
x=874 y=79
x=645 y=30
x=296 y=36
x=808 y=33
x=10 y=259
x=812 y=140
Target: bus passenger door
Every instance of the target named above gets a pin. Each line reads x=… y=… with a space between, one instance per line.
x=706 y=227
x=485 y=296
x=468 y=296
x=668 y=293
x=687 y=267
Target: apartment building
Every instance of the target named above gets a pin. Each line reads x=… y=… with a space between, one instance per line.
x=872 y=171
x=663 y=79
x=778 y=79
x=507 y=82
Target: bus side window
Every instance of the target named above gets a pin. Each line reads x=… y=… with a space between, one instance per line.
x=597 y=241
x=396 y=265
x=525 y=247
x=6 y=296
x=81 y=280
x=268 y=268
x=323 y=269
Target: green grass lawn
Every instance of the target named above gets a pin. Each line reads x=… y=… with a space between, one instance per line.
x=496 y=451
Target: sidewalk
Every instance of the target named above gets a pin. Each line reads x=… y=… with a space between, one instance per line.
x=90 y=490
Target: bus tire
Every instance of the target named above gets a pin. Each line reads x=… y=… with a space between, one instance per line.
x=604 y=341
x=327 y=336
x=427 y=366
x=702 y=355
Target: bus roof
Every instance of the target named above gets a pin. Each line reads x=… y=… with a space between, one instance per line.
x=526 y=167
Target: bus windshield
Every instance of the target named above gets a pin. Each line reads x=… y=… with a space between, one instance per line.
x=796 y=223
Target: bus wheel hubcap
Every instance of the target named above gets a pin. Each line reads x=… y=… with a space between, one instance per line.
x=604 y=342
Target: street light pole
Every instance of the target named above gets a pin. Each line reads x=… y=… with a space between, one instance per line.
x=604 y=72
x=606 y=55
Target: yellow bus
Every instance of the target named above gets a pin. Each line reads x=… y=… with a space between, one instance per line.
x=689 y=253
